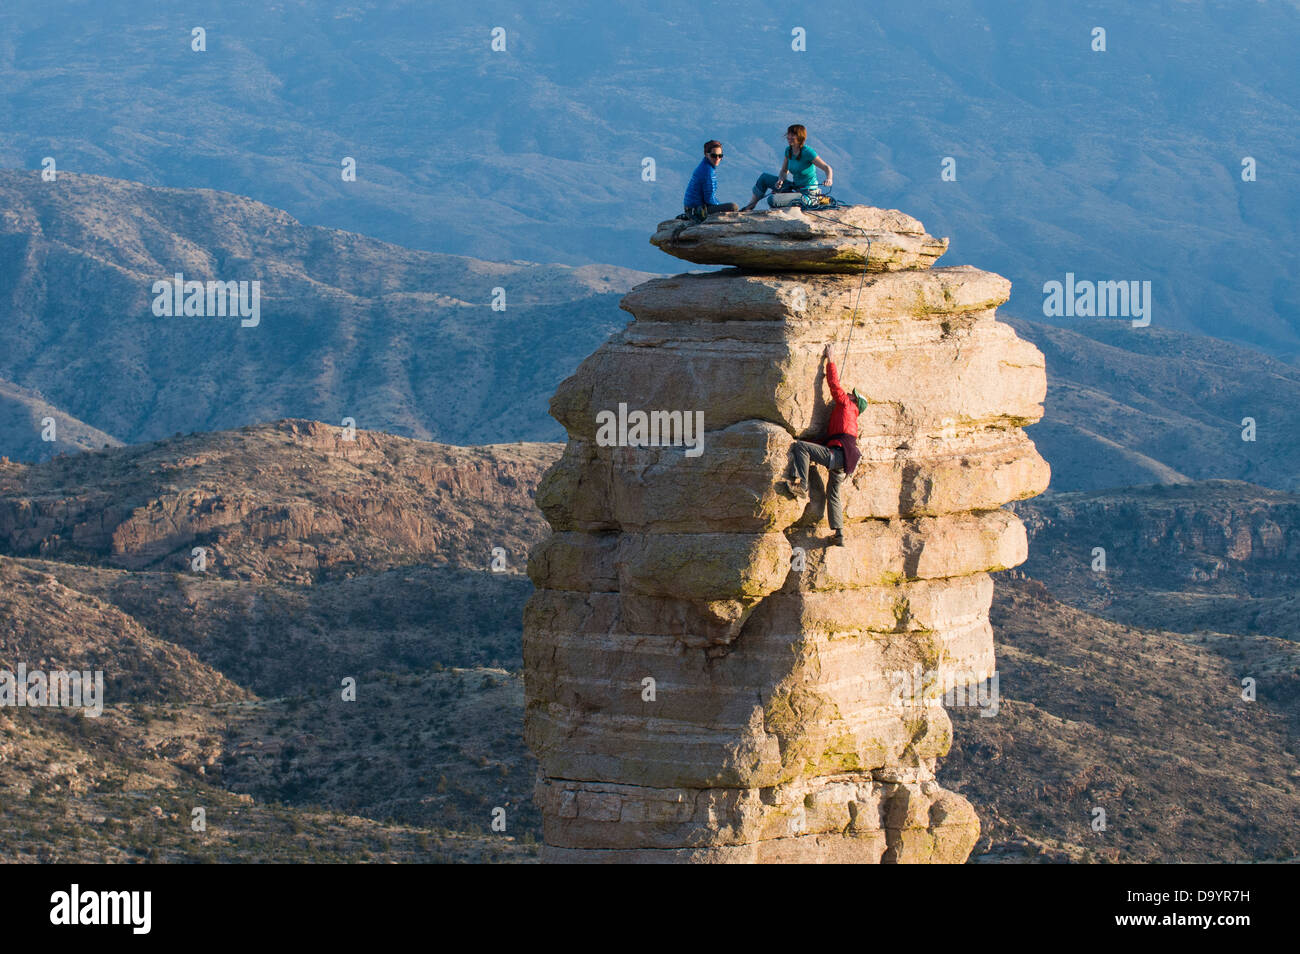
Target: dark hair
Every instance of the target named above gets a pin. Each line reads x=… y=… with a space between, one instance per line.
x=710 y=144
x=799 y=133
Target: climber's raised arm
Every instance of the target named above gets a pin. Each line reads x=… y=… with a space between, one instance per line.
x=833 y=379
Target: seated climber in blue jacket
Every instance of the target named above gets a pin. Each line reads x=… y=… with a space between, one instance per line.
x=702 y=191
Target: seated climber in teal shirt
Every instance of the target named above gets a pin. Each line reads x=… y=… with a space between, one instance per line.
x=798 y=172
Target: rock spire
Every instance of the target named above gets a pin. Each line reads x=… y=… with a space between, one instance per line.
x=706 y=679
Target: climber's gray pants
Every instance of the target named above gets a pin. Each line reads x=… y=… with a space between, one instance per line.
x=832 y=458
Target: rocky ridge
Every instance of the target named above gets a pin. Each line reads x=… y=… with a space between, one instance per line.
x=706 y=679
x=292 y=501
x=1218 y=555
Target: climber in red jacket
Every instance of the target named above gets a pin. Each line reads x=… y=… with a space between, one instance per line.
x=839 y=455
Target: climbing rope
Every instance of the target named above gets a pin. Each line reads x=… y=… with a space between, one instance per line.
x=866 y=261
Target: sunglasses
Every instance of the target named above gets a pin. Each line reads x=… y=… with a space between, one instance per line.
x=715 y=155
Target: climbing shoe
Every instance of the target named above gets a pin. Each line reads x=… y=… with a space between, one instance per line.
x=838 y=539
x=798 y=491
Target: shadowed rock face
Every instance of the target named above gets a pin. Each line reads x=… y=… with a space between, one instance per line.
x=707 y=680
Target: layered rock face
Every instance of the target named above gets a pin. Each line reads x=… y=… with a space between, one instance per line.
x=707 y=679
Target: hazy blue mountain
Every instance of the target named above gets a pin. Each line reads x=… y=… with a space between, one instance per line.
x=1115 y=165
x=33 y=429
x=348 y=327
x=407 y=342
x=1150 y=406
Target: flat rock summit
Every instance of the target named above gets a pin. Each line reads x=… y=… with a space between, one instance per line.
x=707 y=680
x=791 y=239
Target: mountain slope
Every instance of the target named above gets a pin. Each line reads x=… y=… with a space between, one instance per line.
x=1215 y=555
x=23 y=414
x=408 y=342
x=1148 y=726
x=1132 y=406
x=222 y=687
x=348 y=326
